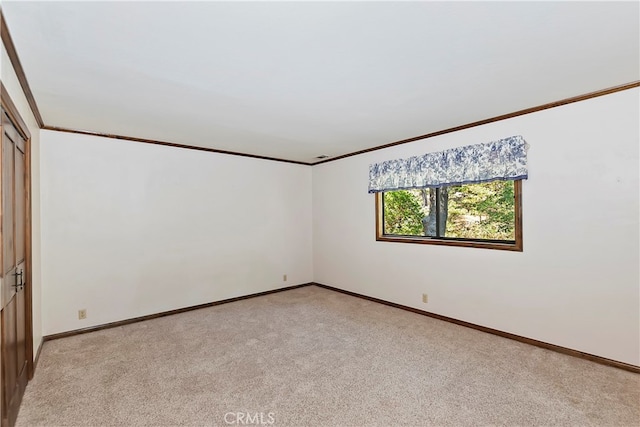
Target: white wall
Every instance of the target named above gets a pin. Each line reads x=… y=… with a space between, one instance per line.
x=14 y=89
x=575 y=285
x=131 y=229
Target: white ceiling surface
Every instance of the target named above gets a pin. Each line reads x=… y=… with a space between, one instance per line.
x=294 y=80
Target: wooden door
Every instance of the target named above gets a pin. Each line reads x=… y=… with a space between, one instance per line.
x=14 y=308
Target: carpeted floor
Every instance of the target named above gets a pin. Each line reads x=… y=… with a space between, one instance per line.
x=314 y=357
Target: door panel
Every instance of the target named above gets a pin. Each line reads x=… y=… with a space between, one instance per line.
x=10 y=354
x=14 y=310
x=20 y=202
x=8 y=249
x=20 y=235
x=21 y=338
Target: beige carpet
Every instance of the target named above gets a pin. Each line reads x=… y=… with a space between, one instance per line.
x=314 y=357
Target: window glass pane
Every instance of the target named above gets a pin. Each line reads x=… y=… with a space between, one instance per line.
x=474 y=211
x=403 y=212
x=482 y=211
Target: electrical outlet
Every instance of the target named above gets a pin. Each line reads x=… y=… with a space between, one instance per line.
x=284 y=278
x=82 y=314
x=425 y=298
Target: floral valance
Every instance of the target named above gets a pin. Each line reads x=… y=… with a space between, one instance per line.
x=505 y=159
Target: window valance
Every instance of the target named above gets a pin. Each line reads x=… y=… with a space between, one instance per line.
x=505 y=159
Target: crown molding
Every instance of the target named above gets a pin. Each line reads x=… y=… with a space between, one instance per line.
x=17 y=66
x=565 y=101
x=170 y=144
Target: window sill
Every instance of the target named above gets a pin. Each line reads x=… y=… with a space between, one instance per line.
x=507 y=246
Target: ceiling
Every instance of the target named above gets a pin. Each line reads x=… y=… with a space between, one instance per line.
x=295 y=80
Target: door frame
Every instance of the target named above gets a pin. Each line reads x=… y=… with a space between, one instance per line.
x=21 y=127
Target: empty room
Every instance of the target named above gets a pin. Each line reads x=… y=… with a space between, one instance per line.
x=332 y=213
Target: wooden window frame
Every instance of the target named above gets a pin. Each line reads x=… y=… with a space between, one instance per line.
x=450 y=241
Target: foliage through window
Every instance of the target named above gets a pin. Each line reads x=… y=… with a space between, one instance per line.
x=480 y=215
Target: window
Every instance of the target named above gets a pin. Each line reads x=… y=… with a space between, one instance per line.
x=463 y=196
x=483 y=215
